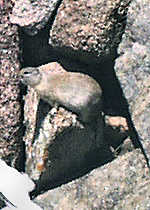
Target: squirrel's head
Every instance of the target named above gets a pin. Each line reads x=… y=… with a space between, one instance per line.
x=30 y=76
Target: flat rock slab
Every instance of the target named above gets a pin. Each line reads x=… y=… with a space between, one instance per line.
x=122 y=184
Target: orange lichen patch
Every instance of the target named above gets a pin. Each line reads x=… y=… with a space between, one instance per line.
x=40 y=166
x=42 y=163
x=45 y=155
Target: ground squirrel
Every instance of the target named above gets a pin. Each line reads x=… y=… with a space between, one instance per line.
x=76 y=92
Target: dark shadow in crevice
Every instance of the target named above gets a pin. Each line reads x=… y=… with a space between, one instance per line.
x=65 y=163
x=21 y=157
x=36 y=49
x=94 y=159
x=136 y=140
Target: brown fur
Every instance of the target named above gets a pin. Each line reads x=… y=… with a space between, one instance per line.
x=77 y=92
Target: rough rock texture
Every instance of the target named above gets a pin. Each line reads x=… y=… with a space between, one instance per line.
x=132 y=68
x=33 y=15
x=10 y=109
x=92 y=26
x=121 y=184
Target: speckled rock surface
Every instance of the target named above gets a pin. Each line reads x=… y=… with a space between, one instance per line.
x=91 y=26
x=32 y=15
x=10 y=107
x=132 y=68
x=121 y=184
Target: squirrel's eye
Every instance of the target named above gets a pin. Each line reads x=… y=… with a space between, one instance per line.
x=26 y=72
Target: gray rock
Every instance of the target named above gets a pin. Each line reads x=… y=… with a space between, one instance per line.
x=119 y=185
x=11 y=147
x=91 y=26
x=32 y=15
x=132 y=67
